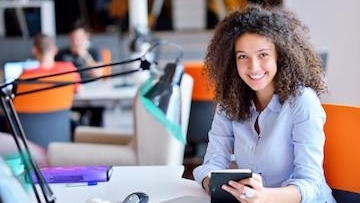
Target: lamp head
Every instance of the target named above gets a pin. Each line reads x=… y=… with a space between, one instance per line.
x=165 y=94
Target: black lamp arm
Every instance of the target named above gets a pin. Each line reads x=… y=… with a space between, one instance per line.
x=25 y=155
x=18 y=134
x=66 y=83
x=6 y=100
x=83 y=69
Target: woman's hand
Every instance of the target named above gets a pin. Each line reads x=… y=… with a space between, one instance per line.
x=247 y=190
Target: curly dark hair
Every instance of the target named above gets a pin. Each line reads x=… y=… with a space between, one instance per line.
x=298 y=64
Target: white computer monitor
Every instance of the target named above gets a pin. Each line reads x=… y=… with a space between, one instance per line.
x=13 y=69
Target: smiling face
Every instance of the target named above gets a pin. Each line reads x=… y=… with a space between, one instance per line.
x=256 y=63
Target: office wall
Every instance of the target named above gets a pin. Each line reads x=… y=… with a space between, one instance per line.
x=335 y=27
x=18 y=48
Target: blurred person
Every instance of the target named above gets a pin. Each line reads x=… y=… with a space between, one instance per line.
x=79 y=51
x=44 y=50
x=83 y=55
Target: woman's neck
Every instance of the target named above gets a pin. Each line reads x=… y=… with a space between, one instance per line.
x=262 y=99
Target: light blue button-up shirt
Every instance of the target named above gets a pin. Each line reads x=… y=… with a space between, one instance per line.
x=288 y=150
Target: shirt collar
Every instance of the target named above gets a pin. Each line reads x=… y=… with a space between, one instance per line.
x=274 y=104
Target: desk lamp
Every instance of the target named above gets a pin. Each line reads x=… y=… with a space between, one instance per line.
x=164 y=94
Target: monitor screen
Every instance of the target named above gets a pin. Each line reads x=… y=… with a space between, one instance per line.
x=13 y=69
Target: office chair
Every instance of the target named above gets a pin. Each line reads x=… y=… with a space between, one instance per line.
x=202 y=110
x=151 y=143
x=342 y=152
x=45 y=115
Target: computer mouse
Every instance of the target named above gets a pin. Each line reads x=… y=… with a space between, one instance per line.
x=136 y=197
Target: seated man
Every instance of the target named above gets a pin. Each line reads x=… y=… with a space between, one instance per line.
x=49 y=108
x=79 y=52
x=44 y=50
x=82 y=55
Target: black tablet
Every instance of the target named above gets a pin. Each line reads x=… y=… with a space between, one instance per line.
x=222 y=177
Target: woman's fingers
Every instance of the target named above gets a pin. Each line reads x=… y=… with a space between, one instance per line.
x=254 y=182
x=244 y=189
x=239 y=191
x=235 y=191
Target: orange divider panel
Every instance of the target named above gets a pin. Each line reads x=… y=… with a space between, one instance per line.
x=342 y=147
x=202 y=90
x=48 y=100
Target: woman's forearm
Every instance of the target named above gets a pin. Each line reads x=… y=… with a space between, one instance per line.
x=288 y=194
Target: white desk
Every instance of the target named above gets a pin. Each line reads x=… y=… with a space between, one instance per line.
x=161 y=183
x=102 y=92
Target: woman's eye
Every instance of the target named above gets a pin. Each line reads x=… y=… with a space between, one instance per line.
x=263 y=55
x=241 y=56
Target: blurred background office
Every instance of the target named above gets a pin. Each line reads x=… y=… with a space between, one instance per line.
x=188 y=23
x=113 y=15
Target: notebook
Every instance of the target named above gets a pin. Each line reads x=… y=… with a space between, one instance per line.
x=75 y=174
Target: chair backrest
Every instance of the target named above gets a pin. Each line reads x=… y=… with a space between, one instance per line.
x=155 y=144
x=202 y=105
x=48 y=100
x=202 y=90
x=45 y=115
x=342 y=152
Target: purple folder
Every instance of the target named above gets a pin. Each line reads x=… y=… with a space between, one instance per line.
x=74 y=174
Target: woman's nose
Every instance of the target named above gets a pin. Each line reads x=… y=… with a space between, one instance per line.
x=254 y=64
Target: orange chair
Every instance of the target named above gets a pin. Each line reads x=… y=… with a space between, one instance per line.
x=202 y=109
x=45 y=115
x=342 y=152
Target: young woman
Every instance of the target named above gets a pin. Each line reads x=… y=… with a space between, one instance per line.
x=268 y=79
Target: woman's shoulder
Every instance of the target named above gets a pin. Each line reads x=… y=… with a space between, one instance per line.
x=307 y=96
x=306 y=102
